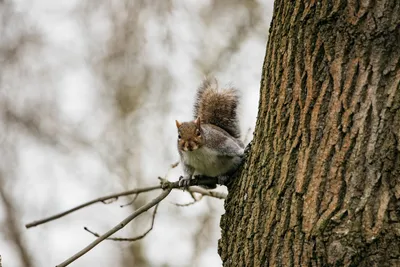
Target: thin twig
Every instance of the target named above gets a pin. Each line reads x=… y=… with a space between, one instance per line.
x=185 y=204
x=119 y=226
x=130 y=202
x=195 y=200
x=132 y=238
x=100 y=199
x=11 y=224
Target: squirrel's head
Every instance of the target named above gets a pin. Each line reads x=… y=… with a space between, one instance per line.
x=189 y=135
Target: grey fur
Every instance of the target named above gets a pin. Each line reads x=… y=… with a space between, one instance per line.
x=220 y=155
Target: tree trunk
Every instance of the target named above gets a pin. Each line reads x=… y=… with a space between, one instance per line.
x=321 y=184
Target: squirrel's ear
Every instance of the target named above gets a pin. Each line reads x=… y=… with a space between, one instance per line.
x=197 y=121
x=178 y=124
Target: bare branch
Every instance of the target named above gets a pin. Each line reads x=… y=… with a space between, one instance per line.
x=100 y=199
x=167 y=188
x=164 y=185
x=132 y=238
x=118 y=227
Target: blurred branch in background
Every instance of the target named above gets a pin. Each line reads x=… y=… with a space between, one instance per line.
x=203 y=233
x=119 y=62
x=87 y=89
x=16 y=44
x=11 y=229
x=234 y=21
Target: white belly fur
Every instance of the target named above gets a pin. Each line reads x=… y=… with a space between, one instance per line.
x=207 y=162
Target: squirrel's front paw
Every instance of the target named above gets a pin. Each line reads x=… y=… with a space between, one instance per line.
x=184 y=181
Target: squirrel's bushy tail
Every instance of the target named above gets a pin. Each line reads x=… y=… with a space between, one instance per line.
x=218 y=107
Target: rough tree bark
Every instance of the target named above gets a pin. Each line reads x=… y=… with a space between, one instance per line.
x=321 y=185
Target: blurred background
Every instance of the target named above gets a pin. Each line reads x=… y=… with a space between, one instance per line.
x=89 y=91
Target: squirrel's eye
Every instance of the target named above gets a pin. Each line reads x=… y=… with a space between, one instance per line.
x=198 y=133
x=179 y=136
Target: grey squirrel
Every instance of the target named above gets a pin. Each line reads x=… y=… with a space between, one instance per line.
x=210 y=145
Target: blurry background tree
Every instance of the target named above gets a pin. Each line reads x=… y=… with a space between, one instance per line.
x=321 y=186
x=89 y=91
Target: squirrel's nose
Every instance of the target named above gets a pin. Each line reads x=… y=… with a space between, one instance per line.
x=188 y=147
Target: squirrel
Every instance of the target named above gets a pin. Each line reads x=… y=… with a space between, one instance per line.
x=210 y=145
